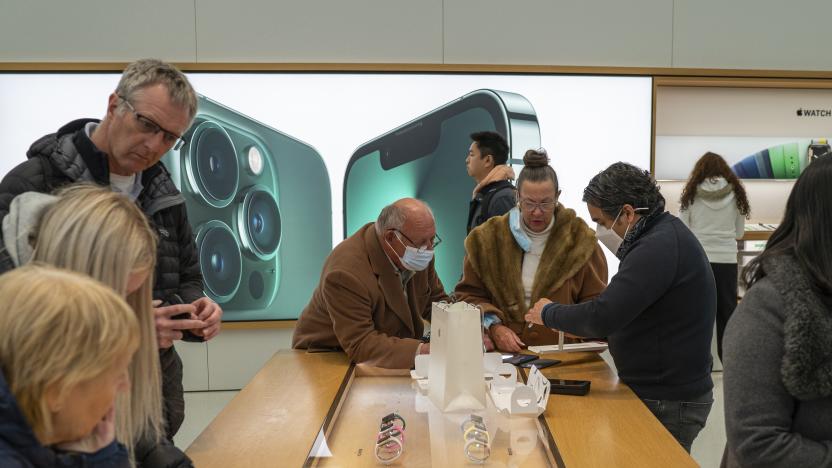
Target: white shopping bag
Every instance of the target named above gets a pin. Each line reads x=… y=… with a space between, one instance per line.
x=456 y=358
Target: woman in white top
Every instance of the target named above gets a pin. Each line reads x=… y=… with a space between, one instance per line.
x=714 y=206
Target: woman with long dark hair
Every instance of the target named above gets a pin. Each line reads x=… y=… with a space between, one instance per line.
x=778 y=344
x=714 y=206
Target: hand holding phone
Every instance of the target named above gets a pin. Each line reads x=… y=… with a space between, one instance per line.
x=176 y=299
x=173 y=321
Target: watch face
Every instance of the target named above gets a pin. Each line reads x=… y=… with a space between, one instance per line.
x=818 y=150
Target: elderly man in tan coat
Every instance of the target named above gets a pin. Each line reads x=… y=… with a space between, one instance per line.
x=376 y=290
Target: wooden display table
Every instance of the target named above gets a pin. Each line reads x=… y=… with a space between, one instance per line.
x=610 y=427
x=276 y=419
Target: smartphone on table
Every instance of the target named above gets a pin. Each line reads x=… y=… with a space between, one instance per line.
x=540 y=363
x=518 y=359
x=569 y=387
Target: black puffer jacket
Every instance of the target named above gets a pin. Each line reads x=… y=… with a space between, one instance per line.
x=69 y=156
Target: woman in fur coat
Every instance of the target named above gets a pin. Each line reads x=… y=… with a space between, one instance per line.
x=540 y=249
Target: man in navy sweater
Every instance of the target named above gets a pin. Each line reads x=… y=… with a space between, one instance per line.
x=658 y=311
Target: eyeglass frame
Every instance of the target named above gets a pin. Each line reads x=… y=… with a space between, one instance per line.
x=535 y=205
x=436 y=240
x=148 y=125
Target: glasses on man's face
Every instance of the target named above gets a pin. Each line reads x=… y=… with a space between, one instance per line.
x=528 y=205
x=436 y=240
x=146 y=125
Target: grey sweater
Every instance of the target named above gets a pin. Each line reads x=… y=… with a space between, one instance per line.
x=778 y=374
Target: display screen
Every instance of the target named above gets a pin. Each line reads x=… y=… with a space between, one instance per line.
x=426 y=166
x=319 y=170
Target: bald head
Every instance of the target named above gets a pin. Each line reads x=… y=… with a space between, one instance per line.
x=405 y=223
x=404 y=214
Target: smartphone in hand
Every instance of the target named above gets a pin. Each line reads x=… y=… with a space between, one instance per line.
x=176 y=299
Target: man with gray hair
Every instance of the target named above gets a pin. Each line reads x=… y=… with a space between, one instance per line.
x=376 y=290
x=147 y=114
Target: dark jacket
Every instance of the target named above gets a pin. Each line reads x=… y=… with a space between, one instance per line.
x=778 y=373
x=495 y=199
x=657 y=312
x=20 y=448
x=69 y=156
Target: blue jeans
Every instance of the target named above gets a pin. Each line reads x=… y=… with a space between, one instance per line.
x=684 y=419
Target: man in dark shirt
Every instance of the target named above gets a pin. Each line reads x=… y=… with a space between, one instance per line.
x=486 y=164
x=658 y=311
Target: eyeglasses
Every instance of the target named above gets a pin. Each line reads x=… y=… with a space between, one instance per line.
x=147 y=125
x=530 y=206
x=436 y=240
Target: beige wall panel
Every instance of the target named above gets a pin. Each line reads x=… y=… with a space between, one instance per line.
x=234 y=356
x=194 y=365
x=752 y=34
x=96 y=31
x=743 y=111
x=319 y=31
x=560 y=32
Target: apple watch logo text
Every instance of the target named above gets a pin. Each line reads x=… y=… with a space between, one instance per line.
x=814 y=112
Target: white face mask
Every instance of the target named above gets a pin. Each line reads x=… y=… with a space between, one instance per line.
x=610 y=238
x=415 y=259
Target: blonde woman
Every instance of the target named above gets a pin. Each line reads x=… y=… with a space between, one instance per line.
x=93 y=230
x=65 y=349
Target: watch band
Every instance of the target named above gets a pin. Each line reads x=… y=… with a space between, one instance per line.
x=394 y=417
x=389 y=446
x=477 y=449
x=477 y=440
x=472 y=420
x=390 y=428
x=474 y=432
x=791 y=160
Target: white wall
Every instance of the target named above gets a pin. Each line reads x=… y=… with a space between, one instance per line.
x=743 y=34
x=231 y=359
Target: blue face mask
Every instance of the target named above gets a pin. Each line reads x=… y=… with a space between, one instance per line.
x=517 y=231
x=414 y=259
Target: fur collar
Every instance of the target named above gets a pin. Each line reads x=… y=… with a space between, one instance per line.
x=807 y=328
x=497 y=259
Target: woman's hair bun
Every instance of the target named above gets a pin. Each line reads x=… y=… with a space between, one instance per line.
x=536 y=158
